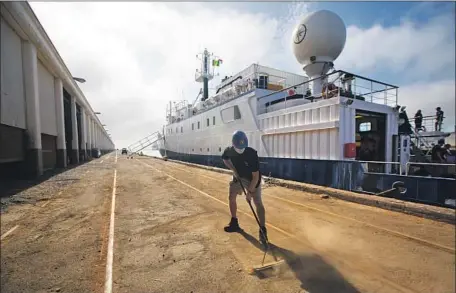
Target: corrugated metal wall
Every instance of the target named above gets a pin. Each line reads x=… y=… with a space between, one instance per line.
x=302 y=134
x=12 y=85
x=12 y=97
x=48 y=117
x=47 y=101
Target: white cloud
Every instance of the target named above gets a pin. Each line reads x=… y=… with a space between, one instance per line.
x=138 y=56
x=421 y=56
x=419 y=51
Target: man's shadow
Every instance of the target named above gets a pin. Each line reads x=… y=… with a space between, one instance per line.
x=315 y=275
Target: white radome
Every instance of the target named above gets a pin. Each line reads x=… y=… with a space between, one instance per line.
x=321 y=34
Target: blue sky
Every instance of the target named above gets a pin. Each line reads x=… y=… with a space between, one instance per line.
x=361 y=14
x=366 y=14
x=137 y=56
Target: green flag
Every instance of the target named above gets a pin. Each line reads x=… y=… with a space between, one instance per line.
x=216 y=62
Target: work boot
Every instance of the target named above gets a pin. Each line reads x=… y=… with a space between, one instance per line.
x=263 y=236
x=233 y=226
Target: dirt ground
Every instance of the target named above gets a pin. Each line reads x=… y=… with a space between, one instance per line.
x=169 y=237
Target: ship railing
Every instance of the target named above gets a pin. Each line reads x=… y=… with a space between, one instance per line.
x=335 y=84
x=382 y=167
x=428 y=124
x=233 y=91
x=276 y=79
x=174 y=111
x=275 y=82
x=246 y=84
x=431 y=169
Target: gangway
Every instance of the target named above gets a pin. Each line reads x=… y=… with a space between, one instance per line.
x=144 y=142
x=424 y=138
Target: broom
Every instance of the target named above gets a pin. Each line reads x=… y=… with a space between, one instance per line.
x=263 y=266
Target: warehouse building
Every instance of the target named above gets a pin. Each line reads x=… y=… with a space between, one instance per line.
x=45 y=120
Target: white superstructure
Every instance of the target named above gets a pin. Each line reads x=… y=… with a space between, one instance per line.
x=286 y=115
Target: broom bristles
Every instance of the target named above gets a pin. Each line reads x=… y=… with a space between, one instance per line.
x=267 y=265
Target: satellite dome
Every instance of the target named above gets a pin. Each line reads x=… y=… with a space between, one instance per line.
x=320 y=36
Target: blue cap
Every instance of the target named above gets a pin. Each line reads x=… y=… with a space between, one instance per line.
x=240 y=140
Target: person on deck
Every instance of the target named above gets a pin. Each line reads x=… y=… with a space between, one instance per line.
x=446 y=153
x=419 y=121
x=438 y=119
x=438 y=151
x=244 y=162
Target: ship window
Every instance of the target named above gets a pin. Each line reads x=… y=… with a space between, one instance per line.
x=237 y=113
x=207 y=120
x=207 y=149
x=193 y=126
x=193 y=150
x=365 y=126
x=231 y=114
x=201 y=149
x=182 y=129
x=177 y=129
x=198 y=125
x=213 y=120
x=220 y=149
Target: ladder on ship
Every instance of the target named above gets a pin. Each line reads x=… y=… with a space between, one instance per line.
x=421 y=147
x=424 y=138
x=144 y=142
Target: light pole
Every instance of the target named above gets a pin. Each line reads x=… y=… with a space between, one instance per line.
x=79 y=79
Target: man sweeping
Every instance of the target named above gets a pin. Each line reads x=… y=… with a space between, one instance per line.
x=243 y=161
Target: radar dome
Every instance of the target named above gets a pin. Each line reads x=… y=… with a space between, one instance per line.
x=320 y=36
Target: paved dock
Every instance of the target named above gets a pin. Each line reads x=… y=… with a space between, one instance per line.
x=166 y=235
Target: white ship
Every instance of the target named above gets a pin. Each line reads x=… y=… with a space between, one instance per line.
x=315 y=128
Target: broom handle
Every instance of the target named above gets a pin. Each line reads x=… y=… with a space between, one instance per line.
x=253 y=211
x=256 y=218
x=250 y=204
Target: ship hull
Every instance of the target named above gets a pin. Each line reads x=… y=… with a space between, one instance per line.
x=297 y=139
x=337 y=174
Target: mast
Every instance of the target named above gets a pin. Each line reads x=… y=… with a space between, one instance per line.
x=206 y=73
x=205 y=76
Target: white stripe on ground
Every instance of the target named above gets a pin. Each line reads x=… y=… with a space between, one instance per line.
x=116 y=158
x=9 y=232
x=101 y=162
x=108 y=280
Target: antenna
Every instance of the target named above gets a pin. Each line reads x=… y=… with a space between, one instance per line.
x=317 y=41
